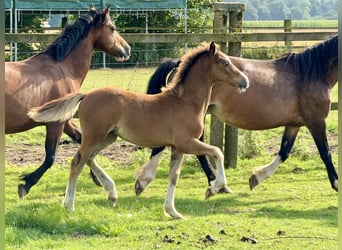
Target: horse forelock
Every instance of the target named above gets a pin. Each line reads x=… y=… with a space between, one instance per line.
x=73 y=34
x=183 y=69
x=316 y=61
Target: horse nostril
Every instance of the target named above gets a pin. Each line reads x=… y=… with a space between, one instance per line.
x=243 y=85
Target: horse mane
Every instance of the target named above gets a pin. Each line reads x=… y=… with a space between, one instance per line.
x=62 y=46
x=315 y=62
x=157 y=80
x=183 y=69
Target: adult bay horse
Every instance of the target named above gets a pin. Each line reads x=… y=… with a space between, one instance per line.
x=55 y=72
x=173 y=118
x=292 y=91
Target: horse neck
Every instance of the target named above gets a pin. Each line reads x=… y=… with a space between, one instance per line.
x=78 y=61
x=332 y=78
x=197 y=85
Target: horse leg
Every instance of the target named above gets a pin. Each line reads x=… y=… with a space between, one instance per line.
x=86 y=154
x=75 y=133
x=77 y=165
x=264 y=172
x=174 y=172
x=318 y=132
x=53 y=135
x=208 y=169
x=107 y=183
x=104 y=180
x=205 y=164
x=147 y=173
x=197 y=147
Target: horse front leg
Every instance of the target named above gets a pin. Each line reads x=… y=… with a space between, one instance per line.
x=147 y=173
x=196 y=147
x=74 y=132
x=53 y=135
x=319 y=134
x=208 y=169
x=262 y=173
x=174 y=172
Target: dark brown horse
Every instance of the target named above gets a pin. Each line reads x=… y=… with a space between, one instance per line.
x=55 y=72
x=292 y=91
x=173 y=118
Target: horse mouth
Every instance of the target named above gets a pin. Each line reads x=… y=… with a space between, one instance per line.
x=121 y=59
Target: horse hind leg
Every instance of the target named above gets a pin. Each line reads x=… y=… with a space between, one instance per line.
x=74 y=132
x=318 y=132
x=104 y=179
x=107 y=183
x=77 y=165
x=53 y=135
x=86 y=154
x=264 y=172
x=147 y=173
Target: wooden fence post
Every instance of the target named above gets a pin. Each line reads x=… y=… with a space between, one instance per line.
x=231 y=133
x=216 y=126
x=235 y=13
x=287 y=28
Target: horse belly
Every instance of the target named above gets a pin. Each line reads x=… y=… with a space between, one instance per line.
x=254 y=118
x=143 y=134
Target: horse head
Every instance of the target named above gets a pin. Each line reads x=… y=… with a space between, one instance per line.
x=108 y=39
x=224 y=71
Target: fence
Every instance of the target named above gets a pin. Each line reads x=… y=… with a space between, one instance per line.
x=227 y=32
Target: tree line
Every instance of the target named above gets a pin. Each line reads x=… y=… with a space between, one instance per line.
x=290 y=9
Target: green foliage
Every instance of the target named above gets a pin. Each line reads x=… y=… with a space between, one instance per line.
x=249 y=145
x=290 y=9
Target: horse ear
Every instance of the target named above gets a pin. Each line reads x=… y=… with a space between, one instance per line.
x=212 y=48
x=92 y=7
x=106 y=11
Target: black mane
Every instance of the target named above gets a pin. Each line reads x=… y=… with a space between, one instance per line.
x=316 y=61
x=73 y=34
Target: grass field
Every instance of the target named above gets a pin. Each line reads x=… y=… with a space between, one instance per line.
x=294 y=209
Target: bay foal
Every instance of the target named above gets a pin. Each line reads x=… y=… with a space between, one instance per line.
x=172 y=118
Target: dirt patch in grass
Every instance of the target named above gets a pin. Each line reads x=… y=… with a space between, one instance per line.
x=23 y=154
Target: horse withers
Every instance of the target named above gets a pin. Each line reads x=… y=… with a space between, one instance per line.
x=172 y=118
x=291 y=91
x=55 y=72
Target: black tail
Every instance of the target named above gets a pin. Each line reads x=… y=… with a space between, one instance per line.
x=159 y=77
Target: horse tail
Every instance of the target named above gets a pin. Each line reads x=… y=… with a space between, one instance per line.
x=160 y=77
x=61 y=109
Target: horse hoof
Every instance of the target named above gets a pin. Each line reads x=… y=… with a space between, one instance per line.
x=335 y=186
x=138 y=188
x=253 y=182
x=174 y=215
x=225 y=190
x=21 y=191
x=113 y=201
x=209 y=193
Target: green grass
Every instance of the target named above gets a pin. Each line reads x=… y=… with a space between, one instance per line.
x=295 y=24
x=296 y=202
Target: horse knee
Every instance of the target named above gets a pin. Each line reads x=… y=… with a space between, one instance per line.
x=217 y=154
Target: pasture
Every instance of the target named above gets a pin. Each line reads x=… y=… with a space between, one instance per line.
x=295 y=209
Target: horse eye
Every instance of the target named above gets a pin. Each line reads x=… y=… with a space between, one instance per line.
x=112 y=28
x=225 y=63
